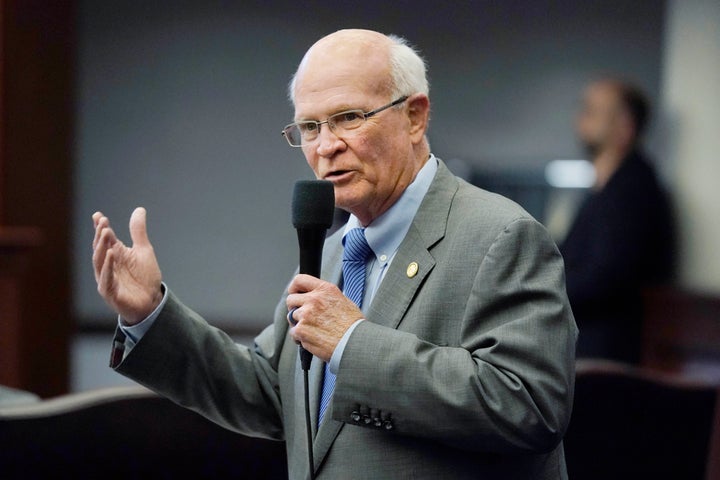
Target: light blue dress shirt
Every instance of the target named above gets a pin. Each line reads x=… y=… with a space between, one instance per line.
x=384 y=235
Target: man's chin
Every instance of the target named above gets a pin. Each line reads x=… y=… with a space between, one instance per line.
x=348 y=202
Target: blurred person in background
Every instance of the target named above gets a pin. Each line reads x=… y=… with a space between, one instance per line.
x=622 y=240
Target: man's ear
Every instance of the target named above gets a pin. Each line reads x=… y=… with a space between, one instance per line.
x=625 y=127
x=419 y=115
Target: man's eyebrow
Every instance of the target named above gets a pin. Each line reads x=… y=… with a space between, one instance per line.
x=343 y=107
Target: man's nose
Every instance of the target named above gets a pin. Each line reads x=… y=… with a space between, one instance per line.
x=328 y=142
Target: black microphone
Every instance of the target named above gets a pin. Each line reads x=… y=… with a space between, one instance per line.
x=313 y=208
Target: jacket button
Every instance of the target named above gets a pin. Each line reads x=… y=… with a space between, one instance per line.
x=377 y=422
x=388 y=425
x=366 y=419
x=355 y=416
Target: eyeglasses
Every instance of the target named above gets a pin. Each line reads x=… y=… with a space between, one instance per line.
x=302 y=133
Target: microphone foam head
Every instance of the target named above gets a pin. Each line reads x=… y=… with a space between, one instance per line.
x=313 y=204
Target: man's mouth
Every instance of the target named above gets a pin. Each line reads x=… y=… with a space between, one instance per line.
x=337 y=175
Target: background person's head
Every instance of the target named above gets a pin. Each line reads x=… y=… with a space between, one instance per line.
x=613 y=117
x=372 y=164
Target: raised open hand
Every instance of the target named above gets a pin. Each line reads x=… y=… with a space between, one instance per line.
x=128 y=278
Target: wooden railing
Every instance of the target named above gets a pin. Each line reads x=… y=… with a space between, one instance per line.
x=681 y=333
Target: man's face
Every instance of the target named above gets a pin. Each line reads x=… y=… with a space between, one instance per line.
x=597 y=121
x=372 y=165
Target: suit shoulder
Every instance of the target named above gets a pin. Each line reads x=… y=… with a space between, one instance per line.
x=486 y=208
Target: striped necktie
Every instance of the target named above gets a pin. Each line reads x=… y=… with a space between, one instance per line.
x=355 y=255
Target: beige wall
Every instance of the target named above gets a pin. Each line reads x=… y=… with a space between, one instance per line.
x=691 y=104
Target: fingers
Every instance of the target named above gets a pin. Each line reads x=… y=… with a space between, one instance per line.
x=292 y=320
x=96 y=217
x=100 y=222
x=297 y=330
x=315 y=294
x=297 y=291
x=304 y=283
x=106 y=239
x=295 y=336
x=105 y=281
x=138 y=228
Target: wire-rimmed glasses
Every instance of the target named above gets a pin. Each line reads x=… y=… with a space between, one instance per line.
x=302 y=133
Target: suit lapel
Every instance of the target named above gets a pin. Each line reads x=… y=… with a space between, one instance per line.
x=326 y=435
x=390 y=304
x=397 y=290
x=401 y=282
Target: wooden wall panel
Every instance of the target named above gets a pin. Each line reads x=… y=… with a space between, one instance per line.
x=37 y=49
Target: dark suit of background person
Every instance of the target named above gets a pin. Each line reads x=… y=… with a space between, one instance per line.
x=622 y=240
x=462 y=368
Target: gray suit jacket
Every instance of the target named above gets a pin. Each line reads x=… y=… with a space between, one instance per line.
x=465 y=370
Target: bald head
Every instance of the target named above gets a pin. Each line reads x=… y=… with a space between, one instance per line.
x=399 y=68
x=347 y=55
x=354 y=44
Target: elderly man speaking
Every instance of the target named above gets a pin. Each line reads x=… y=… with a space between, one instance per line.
x=456 y=360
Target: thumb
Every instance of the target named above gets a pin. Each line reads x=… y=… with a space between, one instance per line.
x=138 y=228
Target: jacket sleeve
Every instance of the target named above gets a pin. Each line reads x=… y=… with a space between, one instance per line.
x=507 y=387
x=200 y=367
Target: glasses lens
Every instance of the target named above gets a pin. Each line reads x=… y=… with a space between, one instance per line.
x=292 y=134
x=347 y=120
x=301 y=133
x=308 y=131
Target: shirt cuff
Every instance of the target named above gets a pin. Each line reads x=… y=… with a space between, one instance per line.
x=135 y=332
x=340 y=348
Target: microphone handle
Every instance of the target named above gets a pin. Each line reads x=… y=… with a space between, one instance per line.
x=311 y=241
x=305 y=358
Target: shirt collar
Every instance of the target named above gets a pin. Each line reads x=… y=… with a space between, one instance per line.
x=386 y=233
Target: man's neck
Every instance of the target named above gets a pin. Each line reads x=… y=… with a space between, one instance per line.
x=366 y=217
x=606 y=164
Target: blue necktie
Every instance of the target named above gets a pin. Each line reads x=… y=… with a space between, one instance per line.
x=355 y=256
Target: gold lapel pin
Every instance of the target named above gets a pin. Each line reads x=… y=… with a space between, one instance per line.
x=412 y=269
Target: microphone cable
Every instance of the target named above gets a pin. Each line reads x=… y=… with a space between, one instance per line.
x=305 y=359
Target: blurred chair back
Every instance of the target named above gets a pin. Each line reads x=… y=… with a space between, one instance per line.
x=681 y=332
x=633 y=423
x=127 y=432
